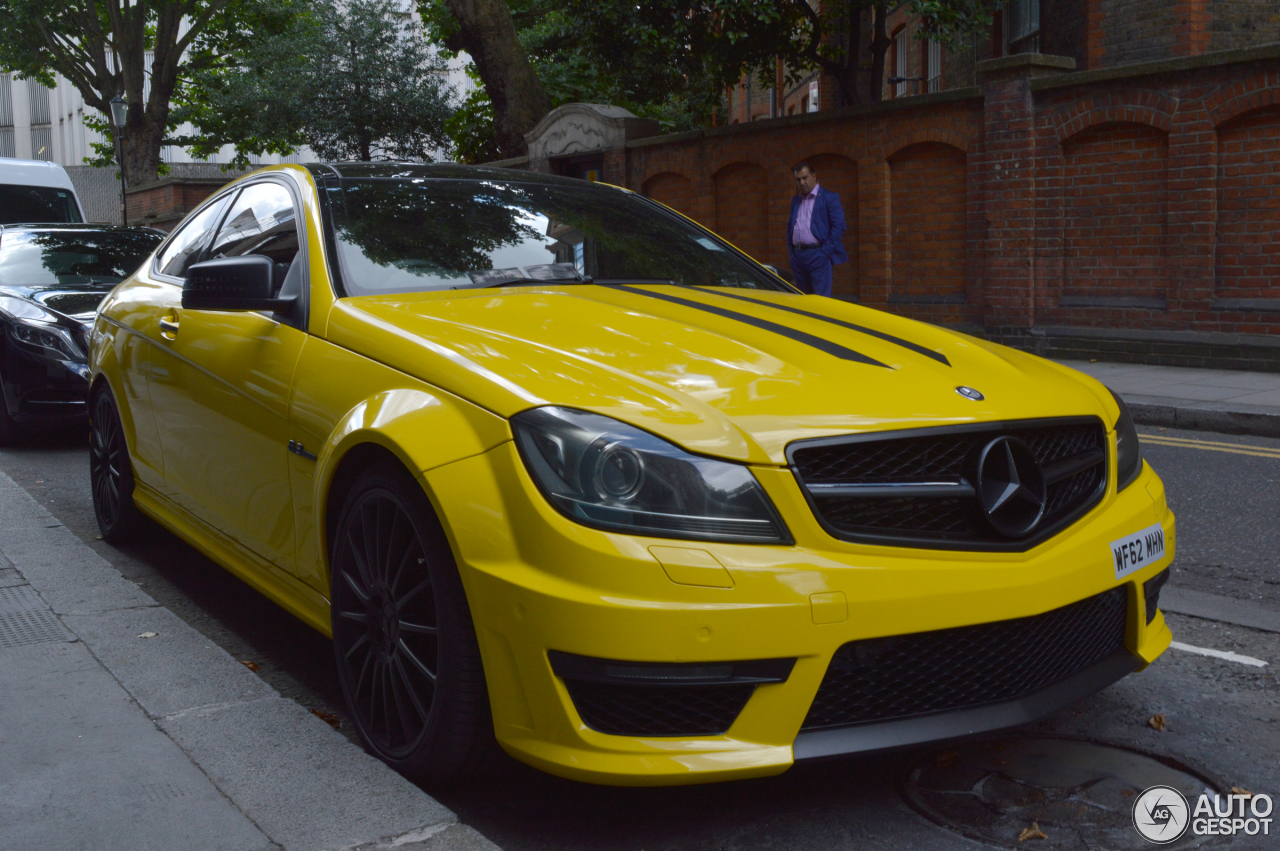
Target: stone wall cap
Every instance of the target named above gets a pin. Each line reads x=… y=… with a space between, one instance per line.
x=1160 y=66
x=579 y=128
x=1031 y=62
x=215 y=182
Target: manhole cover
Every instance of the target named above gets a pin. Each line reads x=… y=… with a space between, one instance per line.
x=1080 y=794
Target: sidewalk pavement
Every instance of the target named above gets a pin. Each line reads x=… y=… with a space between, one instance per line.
x=121 y=727
x=1225 y=400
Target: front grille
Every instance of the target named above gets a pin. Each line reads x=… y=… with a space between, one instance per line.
x=916 y=488
x=881 y=679
x=659 y=710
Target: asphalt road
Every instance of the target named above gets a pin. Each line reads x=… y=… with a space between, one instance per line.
x=1221 y=716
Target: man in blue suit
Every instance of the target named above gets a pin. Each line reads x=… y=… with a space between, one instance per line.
x=814 y=232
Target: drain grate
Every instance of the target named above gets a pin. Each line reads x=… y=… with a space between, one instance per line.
x=26 y=619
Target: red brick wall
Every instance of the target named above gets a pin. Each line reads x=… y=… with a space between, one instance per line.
x=1247 y=255
x=927 y=208
x=674 y=190
x=742 y=213
x=1114 y=211
x=1150 y=200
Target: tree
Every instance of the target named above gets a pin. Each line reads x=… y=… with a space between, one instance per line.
x=673 y=59
x=608 y=51
x=484 y=29
x=100 y=46
x=353 y=80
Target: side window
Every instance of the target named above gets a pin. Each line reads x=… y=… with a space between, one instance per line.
x=188 y=242
x=262 y=221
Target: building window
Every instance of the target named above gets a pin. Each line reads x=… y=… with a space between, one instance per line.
x=933 y=65
x=6 y=117
x=900 y=48
x=41 y=124
x=1022 y=26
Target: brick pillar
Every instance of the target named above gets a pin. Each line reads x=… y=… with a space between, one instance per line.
x=1094 y=52
x=1191 y=27
x=1009 y=173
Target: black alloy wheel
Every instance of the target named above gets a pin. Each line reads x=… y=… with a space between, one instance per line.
x=111 y=472
x=405 y=646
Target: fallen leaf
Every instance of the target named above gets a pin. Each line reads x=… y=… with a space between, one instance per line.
x=1033 y=832
x=328 y=717
x=252 y=666
x=1156 y=722
x=945 y=759
x=1236 y=790
x=1128 y=793
x=148 y=634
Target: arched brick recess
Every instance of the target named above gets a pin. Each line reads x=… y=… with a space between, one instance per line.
x=1114 y=215
x=840 y=175
x=956 y=134
x=927 y=226
x=742 y=214
x=1245 y=96
x=1151 y=108
x=674 y=190
x=1247 y=253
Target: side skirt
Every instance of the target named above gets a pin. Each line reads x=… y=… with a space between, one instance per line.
x=290 y=593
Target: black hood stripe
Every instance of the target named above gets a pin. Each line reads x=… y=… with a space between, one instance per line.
x=790 y=333
x=888 y=338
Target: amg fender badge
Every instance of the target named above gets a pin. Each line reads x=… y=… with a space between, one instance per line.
x=298 y=449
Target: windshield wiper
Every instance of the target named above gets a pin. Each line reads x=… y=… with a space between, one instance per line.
x=524 y=282
x=667 y=281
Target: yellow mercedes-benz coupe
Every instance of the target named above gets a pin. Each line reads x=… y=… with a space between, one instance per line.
x=560 y=470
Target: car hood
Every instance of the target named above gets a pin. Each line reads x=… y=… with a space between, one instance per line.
x=732 y=373
x=74 y=301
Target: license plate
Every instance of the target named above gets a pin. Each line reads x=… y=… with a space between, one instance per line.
x=1136 y=551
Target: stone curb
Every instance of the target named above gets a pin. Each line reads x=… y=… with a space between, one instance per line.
x=304 y=785
x=1204 y=416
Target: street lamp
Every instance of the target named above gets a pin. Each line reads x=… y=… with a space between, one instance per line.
x=119 y=112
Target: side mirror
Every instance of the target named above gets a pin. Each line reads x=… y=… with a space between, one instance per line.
x=233 y=283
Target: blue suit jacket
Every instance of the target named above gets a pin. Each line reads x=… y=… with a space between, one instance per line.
x=826 y=225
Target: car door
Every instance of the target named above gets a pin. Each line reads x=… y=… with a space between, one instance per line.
x=220 y=388
x=138 y=307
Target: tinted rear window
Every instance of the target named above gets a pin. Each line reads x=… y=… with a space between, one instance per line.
x=37 y=204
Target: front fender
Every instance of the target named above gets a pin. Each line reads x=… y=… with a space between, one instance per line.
x=343 y=402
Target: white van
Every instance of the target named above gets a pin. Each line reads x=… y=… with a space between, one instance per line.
x=37 y=191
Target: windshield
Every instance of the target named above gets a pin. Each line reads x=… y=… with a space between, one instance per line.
x=41 y=258
x=411 y=235
x=37 y=204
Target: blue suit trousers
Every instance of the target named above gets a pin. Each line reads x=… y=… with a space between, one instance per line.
x=812 y=271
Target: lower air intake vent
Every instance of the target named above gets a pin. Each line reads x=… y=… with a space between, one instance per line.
x=644 y=710
x=880 y=679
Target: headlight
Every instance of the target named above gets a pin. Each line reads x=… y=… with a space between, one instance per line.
x=607 y=474
x=51 y=340
x=1128 y=450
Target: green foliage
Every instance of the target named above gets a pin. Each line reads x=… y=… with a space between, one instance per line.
x=353 y=80
x=594 y=51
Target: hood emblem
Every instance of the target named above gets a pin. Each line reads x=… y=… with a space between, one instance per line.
x=970 y=393
x=1011 y=486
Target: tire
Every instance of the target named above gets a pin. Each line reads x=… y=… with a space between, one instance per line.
x=10 y=431
x=111 y=472
x=403 y=638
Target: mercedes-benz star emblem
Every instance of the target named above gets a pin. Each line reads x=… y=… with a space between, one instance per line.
x=970 y=393
x=1011 y=486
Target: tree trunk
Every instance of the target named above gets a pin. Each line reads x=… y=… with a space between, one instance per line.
x=519 y=101
x=880 y=43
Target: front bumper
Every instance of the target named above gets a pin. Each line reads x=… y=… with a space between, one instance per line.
x=36 y=389
x=537 y=583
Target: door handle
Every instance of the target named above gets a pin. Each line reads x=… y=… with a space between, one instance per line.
x=169 y=327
